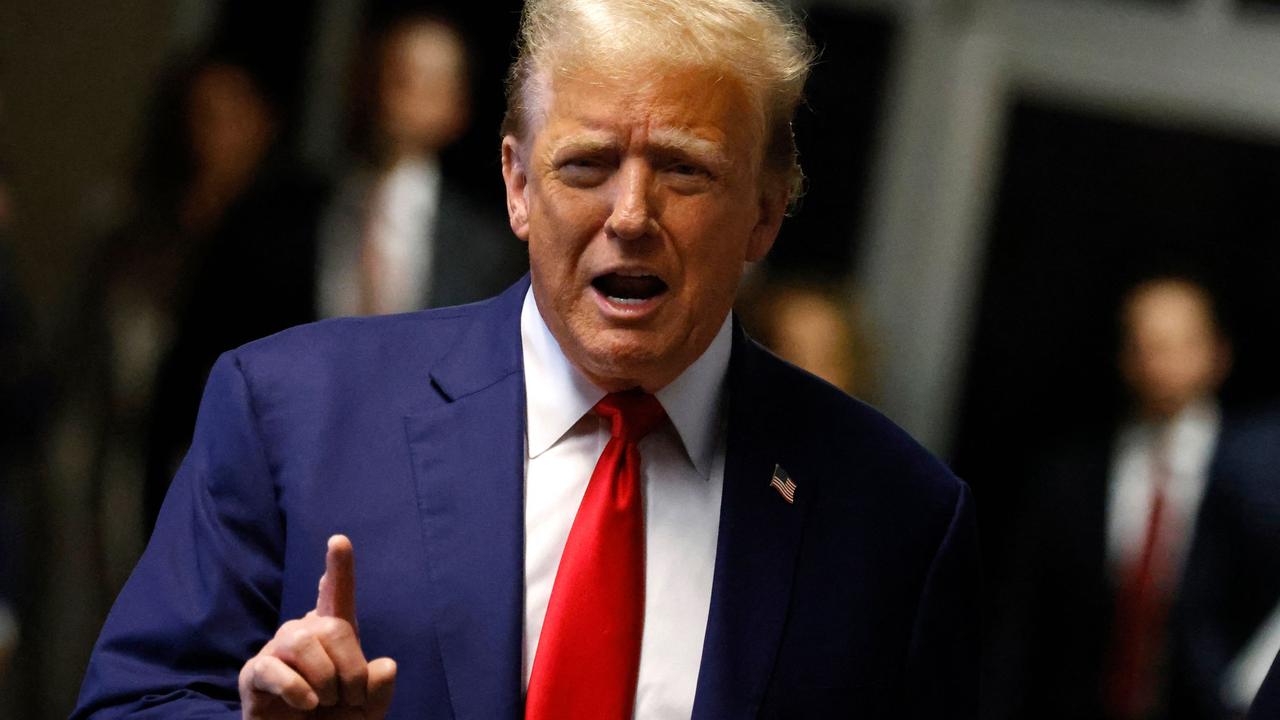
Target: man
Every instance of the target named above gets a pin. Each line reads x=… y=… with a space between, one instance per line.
x=399 y=235
x=1106 y=543
x=750 y=542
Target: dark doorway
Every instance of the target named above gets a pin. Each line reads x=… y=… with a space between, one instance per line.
x=1087 y=205
x=836 y=130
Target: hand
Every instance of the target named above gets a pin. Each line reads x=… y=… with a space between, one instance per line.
x=314 y=667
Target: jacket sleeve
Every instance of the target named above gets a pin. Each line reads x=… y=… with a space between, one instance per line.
x=943 y=666
x=205 y=594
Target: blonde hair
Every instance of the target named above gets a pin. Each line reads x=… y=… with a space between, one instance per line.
x=760 y=43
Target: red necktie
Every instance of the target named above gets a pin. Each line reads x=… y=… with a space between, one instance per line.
x=1140 y=612
x=588 y=653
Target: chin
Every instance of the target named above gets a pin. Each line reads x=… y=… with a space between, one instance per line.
x=621 y=359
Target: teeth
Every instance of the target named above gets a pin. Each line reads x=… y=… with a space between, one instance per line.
x=629 y=288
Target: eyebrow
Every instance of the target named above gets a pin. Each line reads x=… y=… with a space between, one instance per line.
x=661 y=141
x=681 y=141
x=589 y=142
x=674 y=141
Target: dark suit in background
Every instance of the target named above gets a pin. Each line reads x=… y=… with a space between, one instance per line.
x=1057 y=614
x=1232 y=581
x=476 y=256
x=251 y=277
x=473 y=255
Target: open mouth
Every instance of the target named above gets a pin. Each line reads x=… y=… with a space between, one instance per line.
x=629 y=289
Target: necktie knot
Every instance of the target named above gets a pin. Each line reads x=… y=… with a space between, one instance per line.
x=632 y=414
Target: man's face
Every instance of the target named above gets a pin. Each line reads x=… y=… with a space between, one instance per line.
x=1173 y=354
x=422 y=92
x=640 y=203
x=231 y=125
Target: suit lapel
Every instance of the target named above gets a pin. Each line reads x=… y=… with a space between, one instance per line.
x=467 y=457
x=756 y=551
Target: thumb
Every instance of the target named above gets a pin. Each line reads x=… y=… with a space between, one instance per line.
x=337 y=595
x=382 y=684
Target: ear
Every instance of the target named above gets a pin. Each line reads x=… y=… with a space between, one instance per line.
x=773 y=209
x=516 y=178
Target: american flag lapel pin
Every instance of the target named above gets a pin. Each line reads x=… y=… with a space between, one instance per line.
x=783 y=483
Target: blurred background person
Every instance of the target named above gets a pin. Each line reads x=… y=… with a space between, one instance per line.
x=1086 y=630
x=209 y=131
x=399 y=235
x=236 y=243
x=211 y=179
x=812 y=324
x=394 y=236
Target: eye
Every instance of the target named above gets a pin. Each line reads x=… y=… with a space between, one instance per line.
x=688 y=176
x=583 y=171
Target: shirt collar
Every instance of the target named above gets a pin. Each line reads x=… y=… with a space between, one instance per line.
x=561 y=395
x=1187 y=438
x=424 y=171
x=1192 y=435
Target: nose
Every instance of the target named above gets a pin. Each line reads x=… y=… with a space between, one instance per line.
x=633 y=212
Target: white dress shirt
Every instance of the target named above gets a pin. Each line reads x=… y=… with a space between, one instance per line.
x=682 y=468
x=396 y=213
x=1189 y=438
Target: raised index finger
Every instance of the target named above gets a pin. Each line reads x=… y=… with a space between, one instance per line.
x=337 y=596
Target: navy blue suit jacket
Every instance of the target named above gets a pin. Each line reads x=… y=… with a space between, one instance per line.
x=407 y=434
